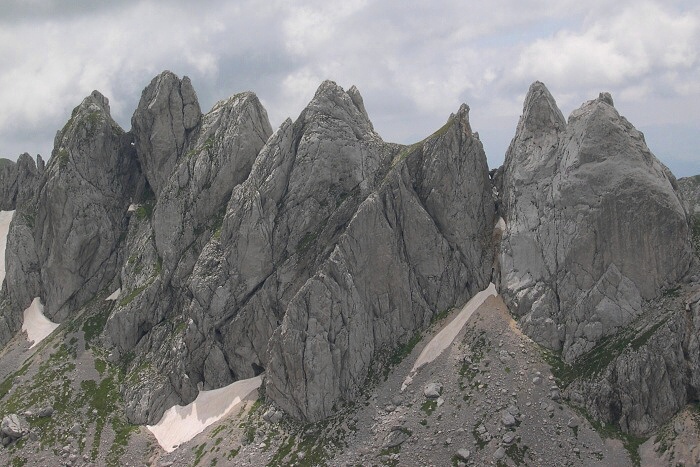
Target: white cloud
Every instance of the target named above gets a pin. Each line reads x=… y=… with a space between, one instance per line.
x=617 y=50
x=414 y=62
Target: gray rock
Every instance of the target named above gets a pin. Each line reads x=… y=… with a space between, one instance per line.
x=176 y=263
x=166 y=115
x=508 y=437
x=272 y=415
x=396 y=437
x=71 y=230
x=432 y=390
x=507 y=419
x=14 y=426
x=500 y=453
x=554 y=393
x=639 y=400
x=593 y=224
x=573 y=422
x=463 y=454
x=45 y=412
x=407 y=220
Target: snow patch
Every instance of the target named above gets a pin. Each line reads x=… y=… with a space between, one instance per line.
x=5 y=219
x=444 y=338
x=180 y=424
x=35 y=324
x=133 y=207
x=114 y=296
x=501 y=225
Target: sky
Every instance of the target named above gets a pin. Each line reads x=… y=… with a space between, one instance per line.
x=413 y=61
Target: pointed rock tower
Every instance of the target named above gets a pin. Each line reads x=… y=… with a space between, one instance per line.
x=594 y=224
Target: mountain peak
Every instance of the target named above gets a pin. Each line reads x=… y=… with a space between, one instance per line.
x=540 y=111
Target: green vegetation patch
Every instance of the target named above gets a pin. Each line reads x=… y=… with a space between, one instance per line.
x=429 y=406
x=517 y=453
x=606 y=430
x=63 y=158
x=95 y=324
x=597 y=359
x=145 y=210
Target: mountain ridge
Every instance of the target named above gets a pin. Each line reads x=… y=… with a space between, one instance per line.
x=312 y=252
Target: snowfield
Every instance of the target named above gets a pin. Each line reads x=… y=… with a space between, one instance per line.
x=444 y=338
x=35 y=324
x=180 y=424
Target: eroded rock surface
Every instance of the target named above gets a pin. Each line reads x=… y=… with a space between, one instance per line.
x=166 y=115
x=579 y=253
x=81 y=208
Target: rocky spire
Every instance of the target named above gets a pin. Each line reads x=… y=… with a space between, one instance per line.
x=167 y=112
x=584 y=202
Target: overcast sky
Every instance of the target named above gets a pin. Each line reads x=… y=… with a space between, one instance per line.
x=414 y=62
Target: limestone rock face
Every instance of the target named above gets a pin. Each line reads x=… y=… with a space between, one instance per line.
x=650 y=381
x=593 y=223
x=690 y=190
x=167 y=113
x=410 y=249
x=219 y=157
x=81 y=208
x=167 y=234
x=8 y=184
x=18 y=181
x=281 y=264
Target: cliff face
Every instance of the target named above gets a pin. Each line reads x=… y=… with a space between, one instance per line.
x=409 y=251
x=235 y=248
x=310 y=252
x=594 y=224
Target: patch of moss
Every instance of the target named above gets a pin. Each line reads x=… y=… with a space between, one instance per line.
x=199 y=453
x=429 y=406
x=95 y=324
x=403 y=350
x=63 y=158
x=278 y=459
x=598 y=358
x=517 y=453
x=145 y=210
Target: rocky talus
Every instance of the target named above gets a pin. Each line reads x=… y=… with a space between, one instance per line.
x=579 y=253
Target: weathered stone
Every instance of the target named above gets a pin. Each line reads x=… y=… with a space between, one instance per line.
x=405 y=217
x=500 y=453
x=396 y=437
x=508 y=437
x=166 y=115
x=593 y=224
x=14 y=426
x=507 y=419
x=432 y=390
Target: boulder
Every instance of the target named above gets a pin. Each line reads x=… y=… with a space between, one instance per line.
x=432 y=390
x=14 y=426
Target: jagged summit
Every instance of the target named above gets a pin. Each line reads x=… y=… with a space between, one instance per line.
x=201 y=250
x=167 y=112
x=540 y=112
x=596 y=167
